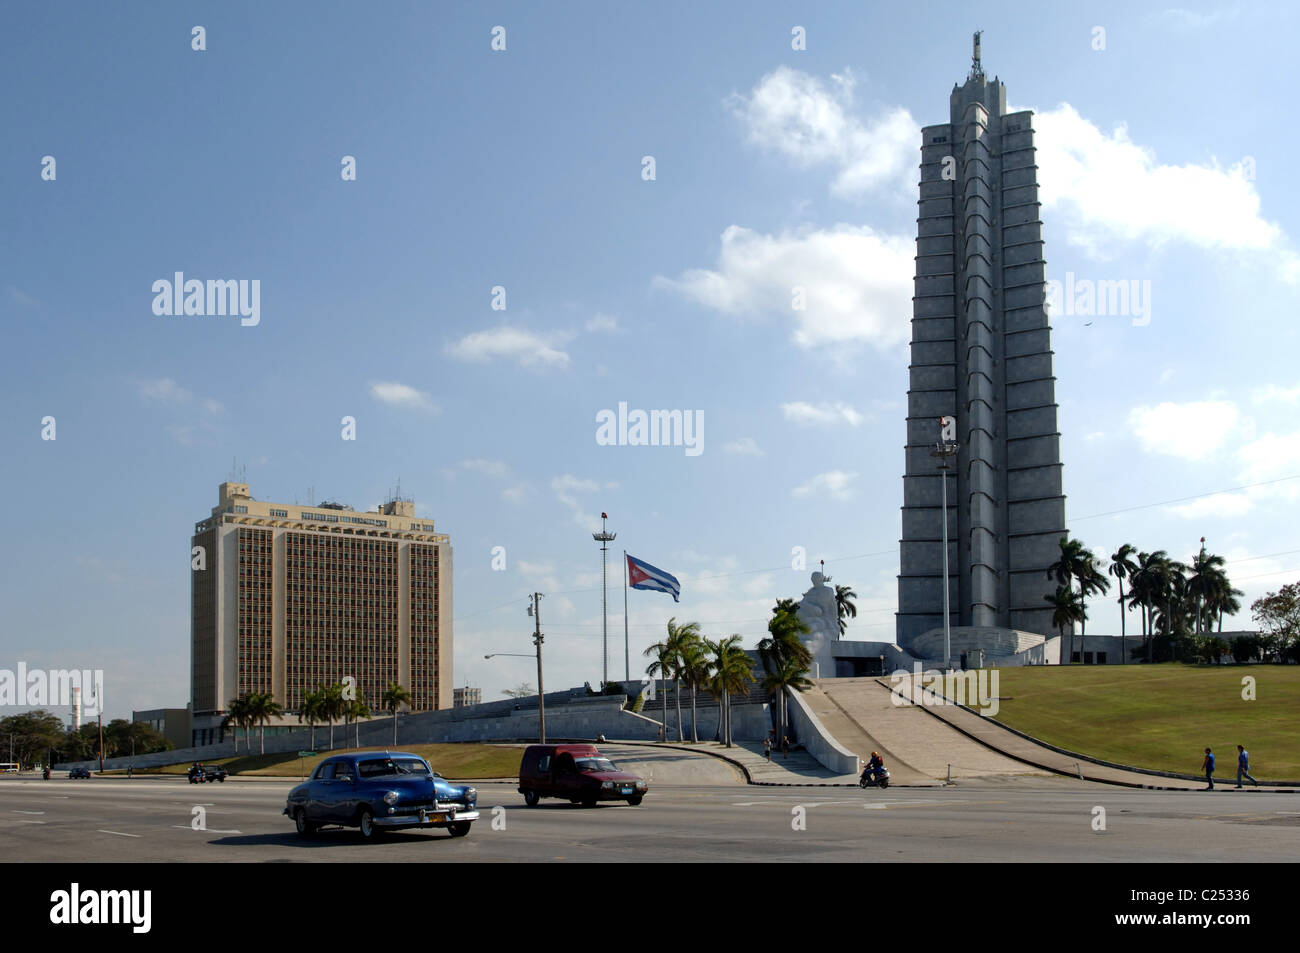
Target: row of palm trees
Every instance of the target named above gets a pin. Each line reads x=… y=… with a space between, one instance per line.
x=327 y=704
x=1174 y=598
x=724 y=668
x=720 y=667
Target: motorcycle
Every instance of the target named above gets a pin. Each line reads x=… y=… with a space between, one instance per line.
x=875 y=779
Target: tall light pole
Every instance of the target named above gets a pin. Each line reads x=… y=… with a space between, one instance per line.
x=945 y=448
x=604 y=538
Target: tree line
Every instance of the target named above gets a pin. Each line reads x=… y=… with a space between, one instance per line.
x=1179 y=604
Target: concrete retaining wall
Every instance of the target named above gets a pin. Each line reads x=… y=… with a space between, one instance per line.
x=817 y=741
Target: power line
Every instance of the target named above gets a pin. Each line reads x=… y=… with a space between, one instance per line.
x=1184 y=499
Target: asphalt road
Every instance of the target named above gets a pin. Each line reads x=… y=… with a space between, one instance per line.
x=150 y=820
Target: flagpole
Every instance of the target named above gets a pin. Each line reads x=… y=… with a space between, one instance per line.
x=627 y=665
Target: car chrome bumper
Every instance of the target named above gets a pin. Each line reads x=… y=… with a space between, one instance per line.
x=438 y=818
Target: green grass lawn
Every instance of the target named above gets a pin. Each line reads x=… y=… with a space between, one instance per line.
x=1161 y=717
x=452 y=761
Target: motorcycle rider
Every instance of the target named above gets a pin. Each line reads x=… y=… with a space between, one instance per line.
x=874 y=767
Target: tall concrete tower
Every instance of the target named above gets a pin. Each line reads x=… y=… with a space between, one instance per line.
x=981 y=353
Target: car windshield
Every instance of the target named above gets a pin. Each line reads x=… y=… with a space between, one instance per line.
x=379 y=767
x=589 y=765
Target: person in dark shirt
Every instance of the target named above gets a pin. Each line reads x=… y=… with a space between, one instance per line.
x=1208 y=766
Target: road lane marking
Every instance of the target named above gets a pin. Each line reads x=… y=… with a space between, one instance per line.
x=118 y=833
x=26 y=812
x=30 y=822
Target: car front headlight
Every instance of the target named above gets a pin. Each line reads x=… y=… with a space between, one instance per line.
x=640 y=785
x=471 y=795
x=607 y=785
x=391 y=797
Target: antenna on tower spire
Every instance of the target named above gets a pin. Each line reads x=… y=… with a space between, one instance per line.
x=976 y=70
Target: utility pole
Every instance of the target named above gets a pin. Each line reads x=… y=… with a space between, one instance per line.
x=604 y=538
x=535 y=610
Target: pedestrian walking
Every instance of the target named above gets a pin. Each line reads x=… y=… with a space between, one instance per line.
x=767 y=747
x=785 y=747
x=1243 y=766
x=1208 y=767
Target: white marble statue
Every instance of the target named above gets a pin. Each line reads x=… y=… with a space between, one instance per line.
x=819 y=612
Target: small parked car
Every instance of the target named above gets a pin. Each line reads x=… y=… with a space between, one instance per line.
x=579 y=773
x=79 y=773
x=207 y=772
x=379 y=791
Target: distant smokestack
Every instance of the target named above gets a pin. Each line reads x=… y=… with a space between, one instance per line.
x=76 y=709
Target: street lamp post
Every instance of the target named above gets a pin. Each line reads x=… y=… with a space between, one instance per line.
x=604 y=538
x=534 y=610
x=943 y=450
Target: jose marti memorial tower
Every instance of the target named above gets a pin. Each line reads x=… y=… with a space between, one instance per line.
x=981 y=353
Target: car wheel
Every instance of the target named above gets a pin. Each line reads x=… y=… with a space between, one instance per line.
x=635 y=799
x=366 y=821
x=222 y=779
x=589 y=801
x=305 y=827
x=531 y=798
x=458 y=828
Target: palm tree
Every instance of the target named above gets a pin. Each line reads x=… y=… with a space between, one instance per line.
x=356 y=710
x=1122 y=567
x=1077 y=563
x=310 y=711
x=1147 y=583
x=394 y=697
x=239 y=714
x=679 y=637
x=788 y=674
x=731 y=673
x=695 y=667
x=661 y=665
x=332 y=706
x=262 y=707
x=844 y=597
x=1068 y=606
x=783 y=642
x=1206 y=580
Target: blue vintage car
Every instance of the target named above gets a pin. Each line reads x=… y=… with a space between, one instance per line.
x=377 y=791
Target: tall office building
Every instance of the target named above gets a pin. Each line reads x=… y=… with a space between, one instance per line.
x=981 y=353
x=286 y=599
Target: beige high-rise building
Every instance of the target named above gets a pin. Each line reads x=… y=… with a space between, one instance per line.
x=287 y=598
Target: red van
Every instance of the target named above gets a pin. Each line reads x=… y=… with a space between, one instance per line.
x=579 y=773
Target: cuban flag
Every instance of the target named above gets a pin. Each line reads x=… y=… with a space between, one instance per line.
x=641 y=575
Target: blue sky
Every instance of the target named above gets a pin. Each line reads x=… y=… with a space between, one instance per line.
x=1166 y=156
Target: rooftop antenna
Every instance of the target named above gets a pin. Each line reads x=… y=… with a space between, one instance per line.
x=976 y=70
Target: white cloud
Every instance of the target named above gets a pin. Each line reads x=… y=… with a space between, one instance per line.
x=526 y=347
x=492 y=468
x=567 y=487
x=745 y=447
x=1190 y=431
x=602 y=322
x=517 y=494
x=1109 y=189
x=857 y=284
x=400 y=395
x=1269 y=457
x=795 y=114
x=1272 y=394
x=1218 y=505
x=835 y=484
x=165 y=390
x=822 y=415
